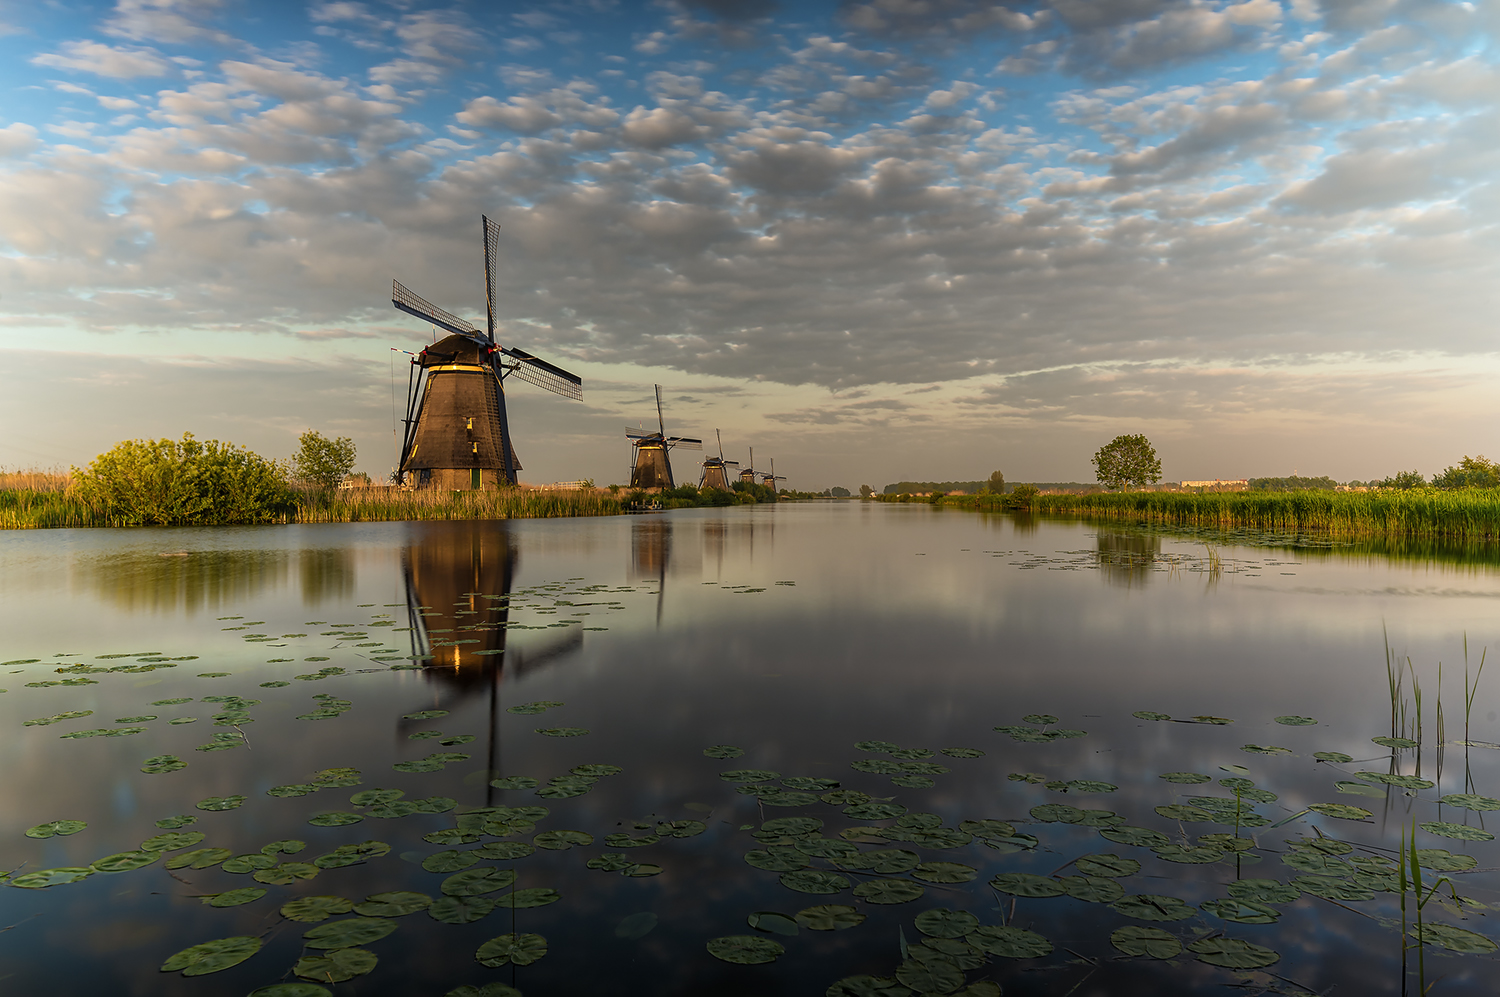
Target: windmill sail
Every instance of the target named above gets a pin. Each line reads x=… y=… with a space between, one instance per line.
x=491 y=260
x=412 y=303
x=539 y=372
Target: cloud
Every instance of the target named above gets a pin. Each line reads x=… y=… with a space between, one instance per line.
x=105 y=60
x=17 y=140
x=173 y=22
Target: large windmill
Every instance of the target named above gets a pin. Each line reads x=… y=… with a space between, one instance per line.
x=769 y=480
x=716 y=469
x=652 y=467
x=457 y=434
x=747 y=473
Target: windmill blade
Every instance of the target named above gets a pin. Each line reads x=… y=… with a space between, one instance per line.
x=414 y=304
x=731 y=463
x=491 y=260
x=660 y=424
x=539 y=372
x=684 y=443
x=640 y=434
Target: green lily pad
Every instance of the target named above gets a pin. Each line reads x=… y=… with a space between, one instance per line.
x=285 y=874
x=522 y=950
x=813 y=881
x=1264 y=891
x=235 y=898
x=885 y=861
x=432 y=714
x=793 y=826
x=828 y=917
x=1469 y=801
x=43 y=878
x=595 y=770
x=158 y=764
x=1394 y=742
x=248 y=863
x=370 y=797
x=336 y=778
x=460 y=910
x=504 y=851
x=834 y=849
x=723 y=751
x=875 y=810
x=1153 y=907
x=1442 y=860
x=786 y=798
x=812 y=784
x=515 y=782
x=940 y=922
x=286 y=846
x=1026 y=884
x=1392 y=779
x=346 y=933
x=56 y=827
x=1108 y=864
x=200 y=858
x=772 y=921
x=1337 y=757
x=536 y=897
x=315 y=908
x=216 y=803
x=1233 y=953
x=845 y=797
x=1009 y=942
x=1359 y=789
x=1092 y=889
x=679 y=828
x=1340 y=810
x=745 y=950
x=1290 y=721
x=1189 y=854
x=450 y=861
x=334 y=818
x=1333 y=888
x=211 y=957
x=292 y=790
x=1454 y=939
x=336 y=966
x=963 y=752
x=172 y=841
x=562 y=731
x=1135 y=940
x=125 y=861
x=181 y=820
x=1265 y=749
x=1184 y=812
x=531 y=709
x=291 y=989
x=1463 y=832
x=1151 y=715
x=1186 y=778
x=477 y=882
x=937 y=976
x=888 y=891
x=622 y=840
x=1241 y=911
x=868 y=986
x=395 y=904
x=1216 y=721
x=944 y=872
x=1057 y=813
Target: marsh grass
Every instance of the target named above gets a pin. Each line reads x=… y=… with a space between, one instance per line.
x=34 y=480
x=51 y=509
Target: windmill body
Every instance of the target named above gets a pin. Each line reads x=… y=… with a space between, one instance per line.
x=747 y=473
x=457 y=431
x=716 y=469
x=769 y=480
x=653 y=464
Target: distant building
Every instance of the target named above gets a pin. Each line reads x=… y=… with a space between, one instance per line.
x=1222 y=484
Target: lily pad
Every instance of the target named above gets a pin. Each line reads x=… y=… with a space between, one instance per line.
x=888 y=891
x=1153 y=907
x=772 y=921
x=1186 y=778
x=1184 y=812
x=1151 y=715
x=1155 y=943
x=536 y=897
x=43 y=878
x=562 y=731
x=1442 y=860
x=217 y=803
x=875 y=810
x=1337 y=757
x=211 y=957
x=335 y=818
x=936 y=976
x=745 y=950
x=868 y=986
x=1470 y=801
x=1264 y=891
x=315 y=908
x=829 y=917
x=787 y=798
x=963 y=752
x=450 y=861
x=1340 y=810
x=522 y=950
x=504 y=851
x=336 y=966
x=432 y=714
x=235 y=898
x=158 y=764
x=1265 y=749
x=1057 y=813
x=1359 y=789
x=1092 y=889
x=1393 y=779
x=1189 y=854
x=944 y=872
x=1241 y=911
x=531 y=709
x=349 y=932
x=56 y=827
x=460 y=910
x=1107 y=865
x=292 y=790
x=1455 y=939
x=1026 y=884
x=125 y=861
x=1394 y=742
x=1291 y=721
x=248 y=863
x=885 y=861
x=395 y=904
x=1463 y=832
x=1009 y=942
x=1126 y=834
x=1233 y=953
x=370 y=797
x=515 y=782
x=723 y=751
x=813 y=881
x=678 y=828
x=477 y=882
x=285 y=874
x=286 y=846
x=200 y=858
x=291 y=989
x=1333 y=888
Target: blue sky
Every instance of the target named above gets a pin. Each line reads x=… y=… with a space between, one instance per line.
x=883 y=240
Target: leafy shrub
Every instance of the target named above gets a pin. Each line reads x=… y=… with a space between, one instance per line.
x=1471 y=472
x=184 y=483
x=322 y=461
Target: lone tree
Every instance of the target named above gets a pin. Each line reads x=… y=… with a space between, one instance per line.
x=1126 y=461
x=997 y=483
x=865 y=491
x=323 y=461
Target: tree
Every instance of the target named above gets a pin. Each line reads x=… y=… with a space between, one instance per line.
x=865 y=491
x=1126 y=461
x=997 y=483
x=1405 y=481
x=323 y=461
x=1471 y=472
x=838 y=492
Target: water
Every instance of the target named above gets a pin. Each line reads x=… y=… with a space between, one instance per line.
x=789 y=632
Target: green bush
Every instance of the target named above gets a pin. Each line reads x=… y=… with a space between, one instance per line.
x=322 y=461
x=1471 y=472
x=184 y=483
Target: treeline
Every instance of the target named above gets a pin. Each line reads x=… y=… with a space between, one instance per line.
x=693 y=497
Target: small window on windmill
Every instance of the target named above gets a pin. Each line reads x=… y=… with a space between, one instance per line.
x=470 y=427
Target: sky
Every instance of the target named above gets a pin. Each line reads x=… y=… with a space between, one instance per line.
x=876 y=241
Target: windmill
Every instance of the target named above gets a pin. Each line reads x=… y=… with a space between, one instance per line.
x=769 y=480
x=457 y=433
x=747 y=473
x=652 y=468
x=716 y=469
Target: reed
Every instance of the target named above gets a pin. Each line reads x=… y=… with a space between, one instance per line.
x=22 y=509
x=34 y=480
x=1469 y=514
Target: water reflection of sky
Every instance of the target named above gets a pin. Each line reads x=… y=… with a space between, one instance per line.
x=791 y=631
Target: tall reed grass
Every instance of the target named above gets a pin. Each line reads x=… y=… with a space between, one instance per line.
x=1470 y=513
x=35 y=509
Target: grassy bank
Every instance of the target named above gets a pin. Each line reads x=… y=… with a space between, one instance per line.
x=31 y=509
x=1465 y=514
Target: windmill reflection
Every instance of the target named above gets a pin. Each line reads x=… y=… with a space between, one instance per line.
x=458 y=585
x=650 y=549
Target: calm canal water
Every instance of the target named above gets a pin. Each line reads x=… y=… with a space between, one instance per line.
x=742 y=751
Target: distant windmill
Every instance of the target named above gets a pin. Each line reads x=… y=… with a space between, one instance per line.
x=652 y=468
x=769 y=480
x=716 y=469
x=747 y=473
x=457 y=434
